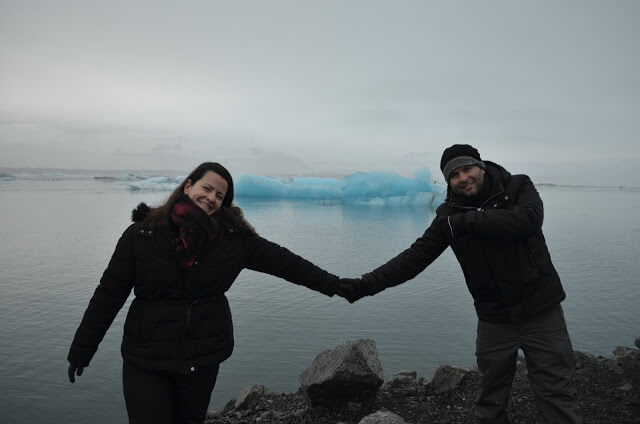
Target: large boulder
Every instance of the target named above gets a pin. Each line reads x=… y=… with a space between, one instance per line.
x=382 y=417
x=350 y=372
x=446 y=378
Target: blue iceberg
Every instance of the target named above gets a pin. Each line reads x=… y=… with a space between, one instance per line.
x=247 y=185
x=365 y=188
x=379 y=188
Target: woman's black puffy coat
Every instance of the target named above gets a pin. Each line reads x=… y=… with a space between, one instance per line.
x=180 y=318
x=500 y=248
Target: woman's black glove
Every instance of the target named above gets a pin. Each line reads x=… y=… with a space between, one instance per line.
x=351 y=289
x=73 y=371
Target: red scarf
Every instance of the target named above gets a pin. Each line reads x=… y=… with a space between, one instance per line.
x=195 y=229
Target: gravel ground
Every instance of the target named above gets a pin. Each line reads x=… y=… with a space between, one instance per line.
x=608 y=389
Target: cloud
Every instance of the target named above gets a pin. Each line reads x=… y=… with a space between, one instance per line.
x=289 y=88
x=374 y=117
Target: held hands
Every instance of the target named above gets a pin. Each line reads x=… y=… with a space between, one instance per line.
x=351 y=289
x=73 y=371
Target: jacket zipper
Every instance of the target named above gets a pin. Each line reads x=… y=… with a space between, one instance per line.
x=194 y=303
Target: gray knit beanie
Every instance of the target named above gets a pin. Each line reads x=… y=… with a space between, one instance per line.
x=457 y=156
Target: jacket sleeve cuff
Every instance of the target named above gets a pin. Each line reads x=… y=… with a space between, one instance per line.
x=79 y=355
x=330 y=287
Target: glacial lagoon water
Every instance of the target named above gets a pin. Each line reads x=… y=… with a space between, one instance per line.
x=57 y=236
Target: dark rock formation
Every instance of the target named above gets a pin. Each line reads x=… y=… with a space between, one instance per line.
x=445 y=378
x=351 y=371
x=606 y=396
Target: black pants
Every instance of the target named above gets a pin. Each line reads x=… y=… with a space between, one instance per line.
x=550 y=365
x=164 y=398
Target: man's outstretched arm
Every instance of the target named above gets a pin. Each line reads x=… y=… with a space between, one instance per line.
x=405 y=266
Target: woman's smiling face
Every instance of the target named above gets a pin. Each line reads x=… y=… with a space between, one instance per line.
x=208 y=192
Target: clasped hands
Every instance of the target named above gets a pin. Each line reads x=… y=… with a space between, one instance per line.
x=351 y=289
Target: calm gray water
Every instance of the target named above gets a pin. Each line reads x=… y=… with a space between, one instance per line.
x=57 y=236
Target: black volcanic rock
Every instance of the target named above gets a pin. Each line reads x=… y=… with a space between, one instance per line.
x=606 y=396
x=350 y=372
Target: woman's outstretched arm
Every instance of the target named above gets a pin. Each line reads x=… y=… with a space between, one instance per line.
x=271 y=258
x=114 y=288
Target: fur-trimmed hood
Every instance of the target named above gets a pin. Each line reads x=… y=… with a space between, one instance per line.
x=140 y=212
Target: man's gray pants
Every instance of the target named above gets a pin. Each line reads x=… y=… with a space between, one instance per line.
x=550 y=364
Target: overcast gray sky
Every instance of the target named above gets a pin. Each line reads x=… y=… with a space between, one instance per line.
x=549 y=88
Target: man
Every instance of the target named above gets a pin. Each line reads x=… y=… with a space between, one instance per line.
x=493 y=222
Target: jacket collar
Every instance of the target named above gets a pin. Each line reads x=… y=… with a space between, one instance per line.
x=141 y=211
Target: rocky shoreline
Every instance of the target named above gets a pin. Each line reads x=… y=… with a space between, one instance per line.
x=608 y=390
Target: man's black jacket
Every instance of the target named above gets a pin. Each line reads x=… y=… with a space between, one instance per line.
x=499 y=245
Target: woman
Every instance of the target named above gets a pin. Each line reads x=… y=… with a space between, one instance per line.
x=180 y=259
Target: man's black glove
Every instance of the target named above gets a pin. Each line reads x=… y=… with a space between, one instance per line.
x=351 y=289
x=73 y=371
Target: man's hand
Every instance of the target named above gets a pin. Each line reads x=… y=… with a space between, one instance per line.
x=351 y=289
x=73 y=371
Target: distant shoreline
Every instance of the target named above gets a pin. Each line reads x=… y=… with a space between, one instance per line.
x=587 y=186
x=100 y=173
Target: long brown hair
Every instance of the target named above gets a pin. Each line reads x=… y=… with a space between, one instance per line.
x=160 y=218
